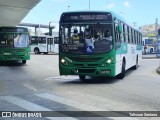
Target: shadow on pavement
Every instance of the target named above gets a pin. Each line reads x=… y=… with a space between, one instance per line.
x=98 y=80
x=11 y=63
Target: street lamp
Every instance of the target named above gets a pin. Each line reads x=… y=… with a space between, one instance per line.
x=50 y=28
x=68 y=8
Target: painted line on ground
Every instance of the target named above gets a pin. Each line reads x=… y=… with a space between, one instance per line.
x=32 y=107
x=78 y=105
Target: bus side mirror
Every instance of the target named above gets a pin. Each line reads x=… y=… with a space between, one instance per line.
x=119 y=28
x=159 y=31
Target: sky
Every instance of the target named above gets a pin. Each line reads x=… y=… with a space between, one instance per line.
x=141 y=12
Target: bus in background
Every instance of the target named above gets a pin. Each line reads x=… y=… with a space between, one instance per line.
x=149 y=45
x=93 y=52
x=43 y=44
x=158 y=44
x=14 y=44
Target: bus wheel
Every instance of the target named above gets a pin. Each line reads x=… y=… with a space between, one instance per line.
x=122 y=74
x=136 y=65
x=24 y=61
x=82 y=77
x=36 y=51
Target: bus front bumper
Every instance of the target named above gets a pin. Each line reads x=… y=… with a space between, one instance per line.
x=92 y=71
x=15 y=57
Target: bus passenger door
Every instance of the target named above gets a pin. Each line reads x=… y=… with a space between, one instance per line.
x=119 y=51
x=50 y=45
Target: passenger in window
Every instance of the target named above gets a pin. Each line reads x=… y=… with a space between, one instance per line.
x=9 y=40
x=75 y=37
x=81 y=35
x=107 y=36
x=89 y=41
x=95 y=37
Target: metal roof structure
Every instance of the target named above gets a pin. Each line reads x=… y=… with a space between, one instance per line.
x=35 y=25
x=13 y=11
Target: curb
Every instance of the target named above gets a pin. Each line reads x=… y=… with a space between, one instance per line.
x=149 y=58
x=158 y=70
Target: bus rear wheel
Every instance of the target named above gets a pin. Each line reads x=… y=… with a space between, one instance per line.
x=24 y=61
x=136 y=65
x=82 y=77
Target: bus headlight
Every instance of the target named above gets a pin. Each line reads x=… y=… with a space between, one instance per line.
x=107 y=62
x=64 y=62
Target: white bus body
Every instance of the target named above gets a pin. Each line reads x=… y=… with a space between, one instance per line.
x=43 y=44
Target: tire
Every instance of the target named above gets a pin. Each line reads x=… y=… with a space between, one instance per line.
x=24 y=61
x=45 y=53
x=82 y=77
x=136 y=65
x=36 y=51
x=122 y=74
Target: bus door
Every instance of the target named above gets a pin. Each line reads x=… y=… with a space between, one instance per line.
x=56 y=47
x=50 y=45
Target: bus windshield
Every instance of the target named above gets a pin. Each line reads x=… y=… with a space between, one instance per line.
x=86 y=38
x=14 y=40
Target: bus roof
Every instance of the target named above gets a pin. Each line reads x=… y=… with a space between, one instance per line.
x=114 y=15
x=13 y=29
x=80 y=12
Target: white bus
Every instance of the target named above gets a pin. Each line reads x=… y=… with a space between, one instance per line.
x=44 y=44
x=148 y=45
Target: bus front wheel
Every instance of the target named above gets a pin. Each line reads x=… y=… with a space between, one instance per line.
x=24 y=61
x=122 y=74
x=82 y=77
x=36 y=51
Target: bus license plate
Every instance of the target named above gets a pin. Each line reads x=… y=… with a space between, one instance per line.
x=7 y=53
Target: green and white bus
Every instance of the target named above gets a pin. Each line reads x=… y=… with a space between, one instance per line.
x=14 y=44
x=92 y=53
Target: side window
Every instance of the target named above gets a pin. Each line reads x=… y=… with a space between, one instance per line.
x=129 y=34
x=42 y=40
x=126 y=33
x=56 y=40
x=132 y=35
x=117 y=37
x=137 y=38
x=141 y=38
x=124 y=36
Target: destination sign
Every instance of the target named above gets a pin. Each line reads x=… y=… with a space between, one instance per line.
x=68 y=17
x=88 y=17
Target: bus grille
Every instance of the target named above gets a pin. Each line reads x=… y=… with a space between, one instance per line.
x=84 y=59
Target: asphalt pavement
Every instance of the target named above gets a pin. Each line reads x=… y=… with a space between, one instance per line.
x=153 y=56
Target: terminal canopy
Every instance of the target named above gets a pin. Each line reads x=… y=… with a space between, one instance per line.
x=13 y=11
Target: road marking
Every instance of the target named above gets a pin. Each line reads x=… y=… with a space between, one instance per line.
x=78 y=105
x=30 y=87
x=32 y=107
x=69 y=102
